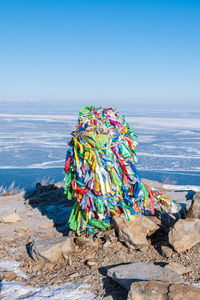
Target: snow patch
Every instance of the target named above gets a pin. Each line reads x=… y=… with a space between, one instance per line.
x=12 y=266
x=68 y=291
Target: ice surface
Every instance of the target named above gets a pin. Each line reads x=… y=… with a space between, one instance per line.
x=165 y=123
x=168 y=141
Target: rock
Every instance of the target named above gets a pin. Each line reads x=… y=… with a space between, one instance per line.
x=92 y=265
x=12 y=218
x=183 y=291
x=134 y=233
x=71 y=233
x=74 y=275
x=22 y=229
x=109 y=234
x=155 y=290
x=9 y=276
x=52 y=249
x=126 y=274
x=87 y=278
x=49 y=266
x=107 y=244
x=185 y=234
x=69 y=261
x=38 y=267
x=194 y=211
x=46 y=224
x=114 y=240
x=85 y=242
x=148 y=290
x=89 y=256
x=166 y=251
x=178 y=268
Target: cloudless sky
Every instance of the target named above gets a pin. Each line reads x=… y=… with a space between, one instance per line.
x=100 y=51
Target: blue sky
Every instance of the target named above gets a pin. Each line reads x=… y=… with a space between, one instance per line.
x=79 y=52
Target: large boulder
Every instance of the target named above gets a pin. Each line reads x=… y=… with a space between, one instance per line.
x=155 y=290
x=52 y=249
x=134 y=233
x=185 y=234
x=126 y=274
x=194 y=211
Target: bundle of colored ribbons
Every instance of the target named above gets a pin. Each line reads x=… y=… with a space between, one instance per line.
x=100 y=172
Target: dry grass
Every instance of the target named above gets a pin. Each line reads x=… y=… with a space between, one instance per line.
x=11 y=190
x=46 y=181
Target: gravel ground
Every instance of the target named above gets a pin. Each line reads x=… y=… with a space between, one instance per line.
x=89 y=265
x=84 y=265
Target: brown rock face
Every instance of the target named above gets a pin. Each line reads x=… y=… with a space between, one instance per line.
x=194 y=211
x=156 y=290
x=185 y=234
x=9 y=276
x=134 y=233
x=148 y=290
x=183 y=291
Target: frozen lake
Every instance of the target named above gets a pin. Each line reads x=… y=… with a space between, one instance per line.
x=33 y=146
